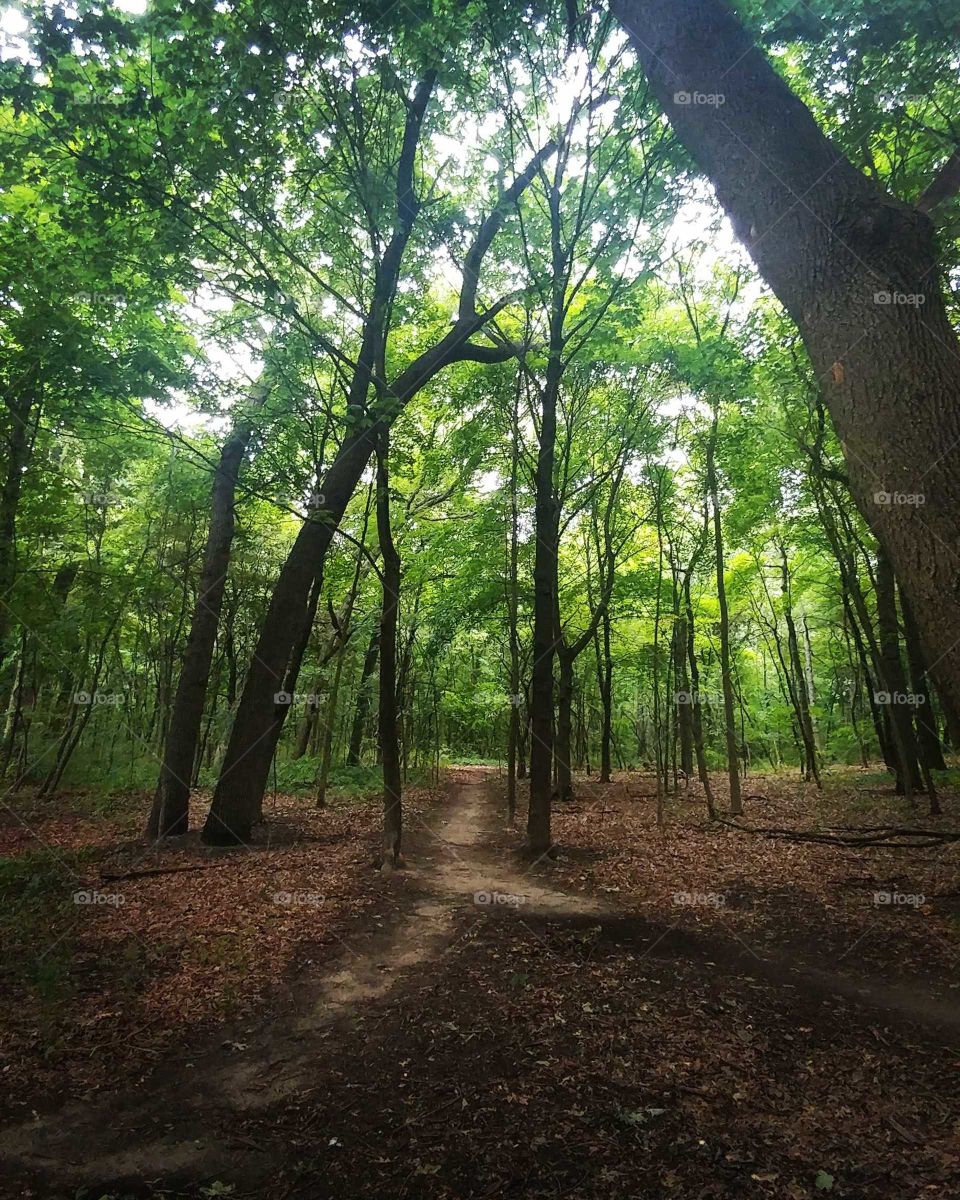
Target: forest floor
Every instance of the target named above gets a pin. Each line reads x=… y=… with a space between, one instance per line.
x=698 y=1012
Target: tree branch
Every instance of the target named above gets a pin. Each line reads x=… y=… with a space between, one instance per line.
x=944 y=185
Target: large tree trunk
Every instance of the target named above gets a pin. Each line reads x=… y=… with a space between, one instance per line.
x=286 y=627
x=259 y=719
x=389 y=740
x=171 y=804
x=838 y=251
x=547 y=531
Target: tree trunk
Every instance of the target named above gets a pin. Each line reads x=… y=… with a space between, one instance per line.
x=341 y=636
x=799 y=691
x=546 y=528
x=681 y=677
x=729 y=719
x=238 y=796
x=841 y=254
x=696 y=712
x=362 y=705
x=171 y=805
x=605 y=682
x=14 y=713
x=808 y=676
x=563 y=747
x=20 y=438
x=329 y=718
x=389 y=743
x=306 y=726
x=895 y=695
x=928 y=741
x=512 y=598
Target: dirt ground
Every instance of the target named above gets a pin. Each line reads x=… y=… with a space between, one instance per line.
x=695 y=1013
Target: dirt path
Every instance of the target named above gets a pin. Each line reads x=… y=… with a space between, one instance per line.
x=426 y=989
x=169 y=1127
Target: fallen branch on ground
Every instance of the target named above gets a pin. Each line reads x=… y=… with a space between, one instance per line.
x=876 y=838
x=114 y=877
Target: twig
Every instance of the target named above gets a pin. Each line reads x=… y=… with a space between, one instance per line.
x=114 y=877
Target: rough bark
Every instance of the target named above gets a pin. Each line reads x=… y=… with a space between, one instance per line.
x=837 y=250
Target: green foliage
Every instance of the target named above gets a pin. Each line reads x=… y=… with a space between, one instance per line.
x=196 y=198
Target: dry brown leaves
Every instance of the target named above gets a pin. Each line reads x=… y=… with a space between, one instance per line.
x=99 y=989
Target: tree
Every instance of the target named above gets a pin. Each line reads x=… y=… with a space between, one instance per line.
x=171 y=806
x=840 y=253
x=578 y=273
x=726 y=675
x=257 y=725
x=389 y=741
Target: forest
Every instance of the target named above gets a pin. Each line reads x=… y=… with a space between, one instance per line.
x=480 y=599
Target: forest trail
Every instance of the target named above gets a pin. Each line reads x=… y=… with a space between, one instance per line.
x=221 y=1114
x=455 y=872
x=169 y=1127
